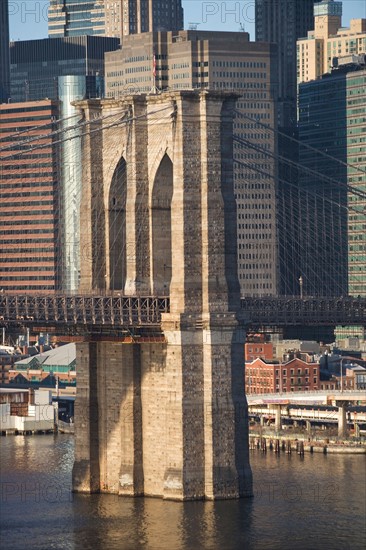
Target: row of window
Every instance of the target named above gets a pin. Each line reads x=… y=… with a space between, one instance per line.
x=31 y=204
x=241 y=64
x=28 y=278
x=20 y=268
x=27 y=185
x=32 y=175
x=27 y=222
x=28 y=287
x=24 y=109
x=25 y=241
x=249 y=256
x=33 y=231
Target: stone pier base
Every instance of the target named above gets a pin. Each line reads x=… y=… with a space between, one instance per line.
x=144 y=428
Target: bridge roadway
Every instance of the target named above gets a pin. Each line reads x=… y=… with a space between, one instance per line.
x=114 y=310
x=319 y=397
x=280 y=405
x=314 y=414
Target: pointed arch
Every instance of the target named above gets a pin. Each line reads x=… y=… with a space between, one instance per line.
x=117 y=226
x=161 y=230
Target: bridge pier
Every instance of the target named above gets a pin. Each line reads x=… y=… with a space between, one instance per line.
x=168 y=419
x=165 y=420
x=86 y=477
x=108 y=419
x=342 y=421
x=277 y=417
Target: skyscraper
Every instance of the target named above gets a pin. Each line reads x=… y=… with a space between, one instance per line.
x=4 y=51
x=318 y=52
x=29 y=197
x=115 y=18
x=284 y=22
x=76 y=17
x=332 y=122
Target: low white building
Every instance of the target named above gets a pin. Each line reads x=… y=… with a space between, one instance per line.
x=22 y=411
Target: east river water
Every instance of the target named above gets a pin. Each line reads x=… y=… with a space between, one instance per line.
x=315 y=502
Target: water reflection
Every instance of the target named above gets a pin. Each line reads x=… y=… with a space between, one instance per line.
x=316 y=502
x=107 y=521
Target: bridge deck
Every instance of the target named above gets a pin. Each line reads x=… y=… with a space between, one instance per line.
x=139 y=311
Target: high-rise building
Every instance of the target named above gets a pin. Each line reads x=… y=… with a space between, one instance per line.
x=28 y=197
x=284 y=22
x=76 y=18
x=113 y=17
x=332 y=120
x=37 y=64
x=222 y=61
x=322 y=47
x=4 y=52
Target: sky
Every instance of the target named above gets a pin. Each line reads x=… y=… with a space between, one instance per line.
x=28 y=18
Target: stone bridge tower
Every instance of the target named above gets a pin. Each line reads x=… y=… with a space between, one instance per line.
x=163 y=418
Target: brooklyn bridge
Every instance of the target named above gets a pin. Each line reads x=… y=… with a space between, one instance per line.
x=164 y=413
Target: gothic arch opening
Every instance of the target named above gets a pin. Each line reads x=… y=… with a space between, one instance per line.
x=117 y=227
x=161 y=232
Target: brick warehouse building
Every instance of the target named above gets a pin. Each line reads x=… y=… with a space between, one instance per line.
x=292 y=376
x=28 y=197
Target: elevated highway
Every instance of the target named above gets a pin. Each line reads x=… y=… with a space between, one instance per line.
x=308 y=397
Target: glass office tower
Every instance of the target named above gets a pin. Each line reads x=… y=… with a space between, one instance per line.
x=113 y=18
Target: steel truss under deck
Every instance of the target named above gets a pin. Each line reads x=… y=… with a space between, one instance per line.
x=129 y=312
x=287 y=311
x=112 y=311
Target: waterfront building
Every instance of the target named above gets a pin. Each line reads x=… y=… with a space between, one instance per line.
x=25 y=411
x=37 y=64
x=224 y=61
x=29 y=241
x=332 y=120
x=277 y=377
x=116 y=18
x=320 y=49
x=4 y=52
x=44 y=369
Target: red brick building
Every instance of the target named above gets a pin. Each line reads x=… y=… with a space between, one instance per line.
x=295 y=375
x=263 y=350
